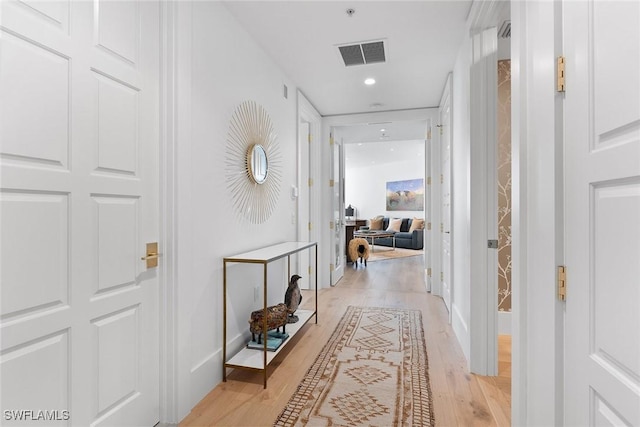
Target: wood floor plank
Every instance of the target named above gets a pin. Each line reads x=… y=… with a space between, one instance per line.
x=460 y=398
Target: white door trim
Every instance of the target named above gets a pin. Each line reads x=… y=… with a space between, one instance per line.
x=175 y=104
x=433 y=236
x=336 y=188
x=483 y=192
x=537 y=319
x=428 y=143
x=168 y=229
x=307 y=113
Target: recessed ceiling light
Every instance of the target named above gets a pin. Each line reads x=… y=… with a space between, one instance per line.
x=370 y=81
x=382 y=130
x=359 y=143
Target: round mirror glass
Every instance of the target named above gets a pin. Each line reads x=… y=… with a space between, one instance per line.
x=258 y=165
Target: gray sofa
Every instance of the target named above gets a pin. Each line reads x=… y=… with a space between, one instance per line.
x=404 y=239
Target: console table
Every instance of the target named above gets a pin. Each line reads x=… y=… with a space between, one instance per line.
x=254 y=359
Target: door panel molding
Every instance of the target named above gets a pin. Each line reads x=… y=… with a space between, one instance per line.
x=77 y=204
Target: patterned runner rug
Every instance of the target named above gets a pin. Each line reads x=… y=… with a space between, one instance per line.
x=372 y=372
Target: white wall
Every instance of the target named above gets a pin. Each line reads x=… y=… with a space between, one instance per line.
x=219 y=67
x=460 y=166
x=365 y=187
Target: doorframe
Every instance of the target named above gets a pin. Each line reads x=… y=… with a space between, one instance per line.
x=435 y=200
x=175 y=104
x=337 y=225
x=483 y=331
x=537 y=316
x=307 y=113
x=329 y=122
x=428 y=208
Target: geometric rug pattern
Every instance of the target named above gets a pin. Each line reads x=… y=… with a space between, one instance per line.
x=373 y=371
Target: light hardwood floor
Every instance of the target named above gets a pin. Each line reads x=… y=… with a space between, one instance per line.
x=460 y=398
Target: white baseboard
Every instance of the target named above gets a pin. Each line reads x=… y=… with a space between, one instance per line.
x=207 y=373
x=504 y=323
x=461 y=330
x=205 y=376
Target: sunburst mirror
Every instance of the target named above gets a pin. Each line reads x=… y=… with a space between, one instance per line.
x=253 y=162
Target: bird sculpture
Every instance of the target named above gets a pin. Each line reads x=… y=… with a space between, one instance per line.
x=293 y=298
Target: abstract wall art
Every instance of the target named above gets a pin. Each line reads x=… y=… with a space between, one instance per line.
x=405 y=195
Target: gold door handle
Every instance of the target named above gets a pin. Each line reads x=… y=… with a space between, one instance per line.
x=152 y=255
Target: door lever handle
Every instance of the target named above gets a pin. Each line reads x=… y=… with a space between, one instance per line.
x=152 y=255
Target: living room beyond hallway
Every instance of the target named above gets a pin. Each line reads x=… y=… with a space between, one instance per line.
x=458 y=397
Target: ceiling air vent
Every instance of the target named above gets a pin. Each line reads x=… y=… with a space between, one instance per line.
x=363 y=53
x=505 y=30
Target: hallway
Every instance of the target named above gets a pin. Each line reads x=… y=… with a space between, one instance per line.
x=458 y=396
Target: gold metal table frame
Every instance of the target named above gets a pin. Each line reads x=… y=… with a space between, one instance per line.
x=250 y=358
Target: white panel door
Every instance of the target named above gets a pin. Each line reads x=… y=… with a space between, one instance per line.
x=337 y=202
x=602 y=213
x=79 y=200
x=445 y=198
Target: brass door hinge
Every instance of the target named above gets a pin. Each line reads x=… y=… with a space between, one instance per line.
x=332 y=267
x=429 y=272
x=428 y=180
x=561 y=77
x=441 y=179
x=309 y=138
x=310 y=182
x=331 y=226
x=331 y=140
x=562 y=283
x=428 y=226
x=310 y=270
x=310 y=227
x=331 y=183
x=441 y=276
x=429 y=134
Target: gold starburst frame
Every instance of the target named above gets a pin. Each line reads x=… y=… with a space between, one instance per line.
x=251 y=132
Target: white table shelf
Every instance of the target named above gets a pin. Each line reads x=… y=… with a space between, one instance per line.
x=255 y=359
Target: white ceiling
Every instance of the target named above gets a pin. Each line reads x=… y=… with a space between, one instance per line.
x=382 y=131
x=364 y=154
x=382 y=142
x=422 y=37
